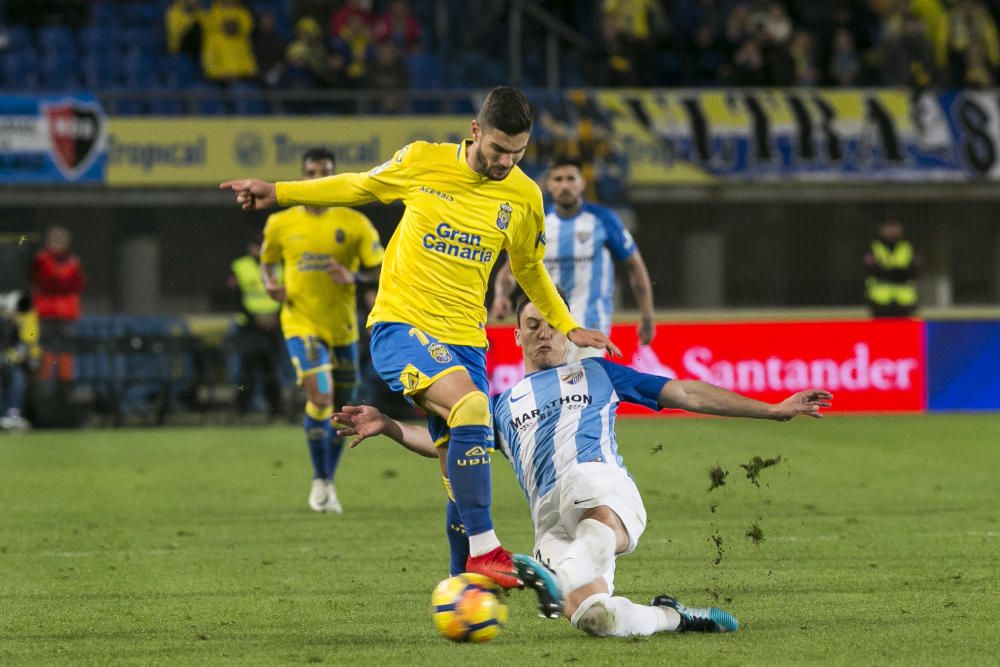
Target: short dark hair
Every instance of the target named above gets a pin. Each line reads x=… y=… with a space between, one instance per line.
x=319 y=154
x=521 y=302
x=566 y=161
x=505 y=109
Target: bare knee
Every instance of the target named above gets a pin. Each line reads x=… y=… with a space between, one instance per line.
x=609 y=518
x=319 y=399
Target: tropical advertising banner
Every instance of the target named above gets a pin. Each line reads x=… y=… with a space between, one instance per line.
x=58 y=139
x=869 y=365
x=204 y=151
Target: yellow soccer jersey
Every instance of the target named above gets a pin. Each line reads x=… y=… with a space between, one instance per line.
x=439 y=259
x=316 y=305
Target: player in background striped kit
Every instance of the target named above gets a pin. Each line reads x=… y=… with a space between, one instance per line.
x=557 y=429
x=584 y=241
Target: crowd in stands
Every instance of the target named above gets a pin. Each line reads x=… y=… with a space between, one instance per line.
x=396 y=45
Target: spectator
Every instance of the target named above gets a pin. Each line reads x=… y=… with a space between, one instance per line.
x=906 y=53
x=298 y=74
x=57 y=280
x=343 y=17
x=355 y=43
x=804 y=62
x=616 y=58
x=308 y=45
x=399 y=25
x=844 y=62
x=335 y=78
x=978 y=73
x=183 y=25
x=968 y=23
x=227 y=52
x=748 y=66
x=269 y=49
x=636 y=23
x=388 y=73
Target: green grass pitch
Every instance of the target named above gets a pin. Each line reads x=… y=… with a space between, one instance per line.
x=881 y=545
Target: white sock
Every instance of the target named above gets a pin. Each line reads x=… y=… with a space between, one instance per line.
x=605 y=616
x=483 y=543
x=588 y=557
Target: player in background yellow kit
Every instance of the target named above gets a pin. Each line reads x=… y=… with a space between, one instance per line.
x=464 y=204
x=322 y=254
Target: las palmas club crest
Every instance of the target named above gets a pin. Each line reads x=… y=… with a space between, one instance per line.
x=503 y=216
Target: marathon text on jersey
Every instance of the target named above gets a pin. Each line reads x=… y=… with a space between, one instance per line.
x=572 y=402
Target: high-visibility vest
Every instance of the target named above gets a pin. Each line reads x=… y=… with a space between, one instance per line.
x=884 y=292
x=256 y=300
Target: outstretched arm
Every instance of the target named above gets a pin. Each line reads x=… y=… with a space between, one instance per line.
x=705 y=398
x=365 y=421
x=337 y=190
x=642 y=290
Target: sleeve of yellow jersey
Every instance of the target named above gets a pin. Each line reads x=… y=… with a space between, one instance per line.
x=386 y=183
x=370 y=249
x=526 y=248
x=270 y=251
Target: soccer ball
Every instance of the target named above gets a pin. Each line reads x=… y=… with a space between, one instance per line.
x=468 y=608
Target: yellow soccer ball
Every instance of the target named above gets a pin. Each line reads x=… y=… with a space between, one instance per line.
x=468 y=608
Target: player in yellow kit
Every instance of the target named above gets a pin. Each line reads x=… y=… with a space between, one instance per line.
x=323 y=253
x=464 y=204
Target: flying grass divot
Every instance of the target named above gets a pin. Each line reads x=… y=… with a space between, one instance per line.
x=757 y=465
x=718 y=477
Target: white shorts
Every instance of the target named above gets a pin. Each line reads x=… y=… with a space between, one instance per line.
x=575 y=353
x=584 y=487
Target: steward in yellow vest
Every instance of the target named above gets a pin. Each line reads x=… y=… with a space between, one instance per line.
x=891 y=286
x=257 y=339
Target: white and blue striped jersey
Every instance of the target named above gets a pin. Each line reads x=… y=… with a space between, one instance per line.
x=578 y=255
x=560 y=417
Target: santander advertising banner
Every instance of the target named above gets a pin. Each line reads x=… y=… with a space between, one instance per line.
x=869 y=365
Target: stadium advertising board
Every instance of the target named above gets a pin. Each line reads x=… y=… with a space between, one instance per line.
x=202 y=151
x=963 y=361
x=701 y=136
x=57 y=139
x=869 y=365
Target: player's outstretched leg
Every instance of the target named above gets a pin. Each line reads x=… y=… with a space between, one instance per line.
x=601 y=615
x=538 y=578
x=699 y=619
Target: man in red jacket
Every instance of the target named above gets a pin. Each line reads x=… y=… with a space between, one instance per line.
x=57 y=280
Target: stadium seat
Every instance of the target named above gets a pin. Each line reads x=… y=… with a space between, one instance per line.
x=97 y=39
x=140 y=14
x=103 y=14
x=18 y=38
x=20 y=69
x=57 y=39
x=208 y=100
x=97 y=72
x=248 y=100
x=167 y=106
x=137 y=69
x=177 y=71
